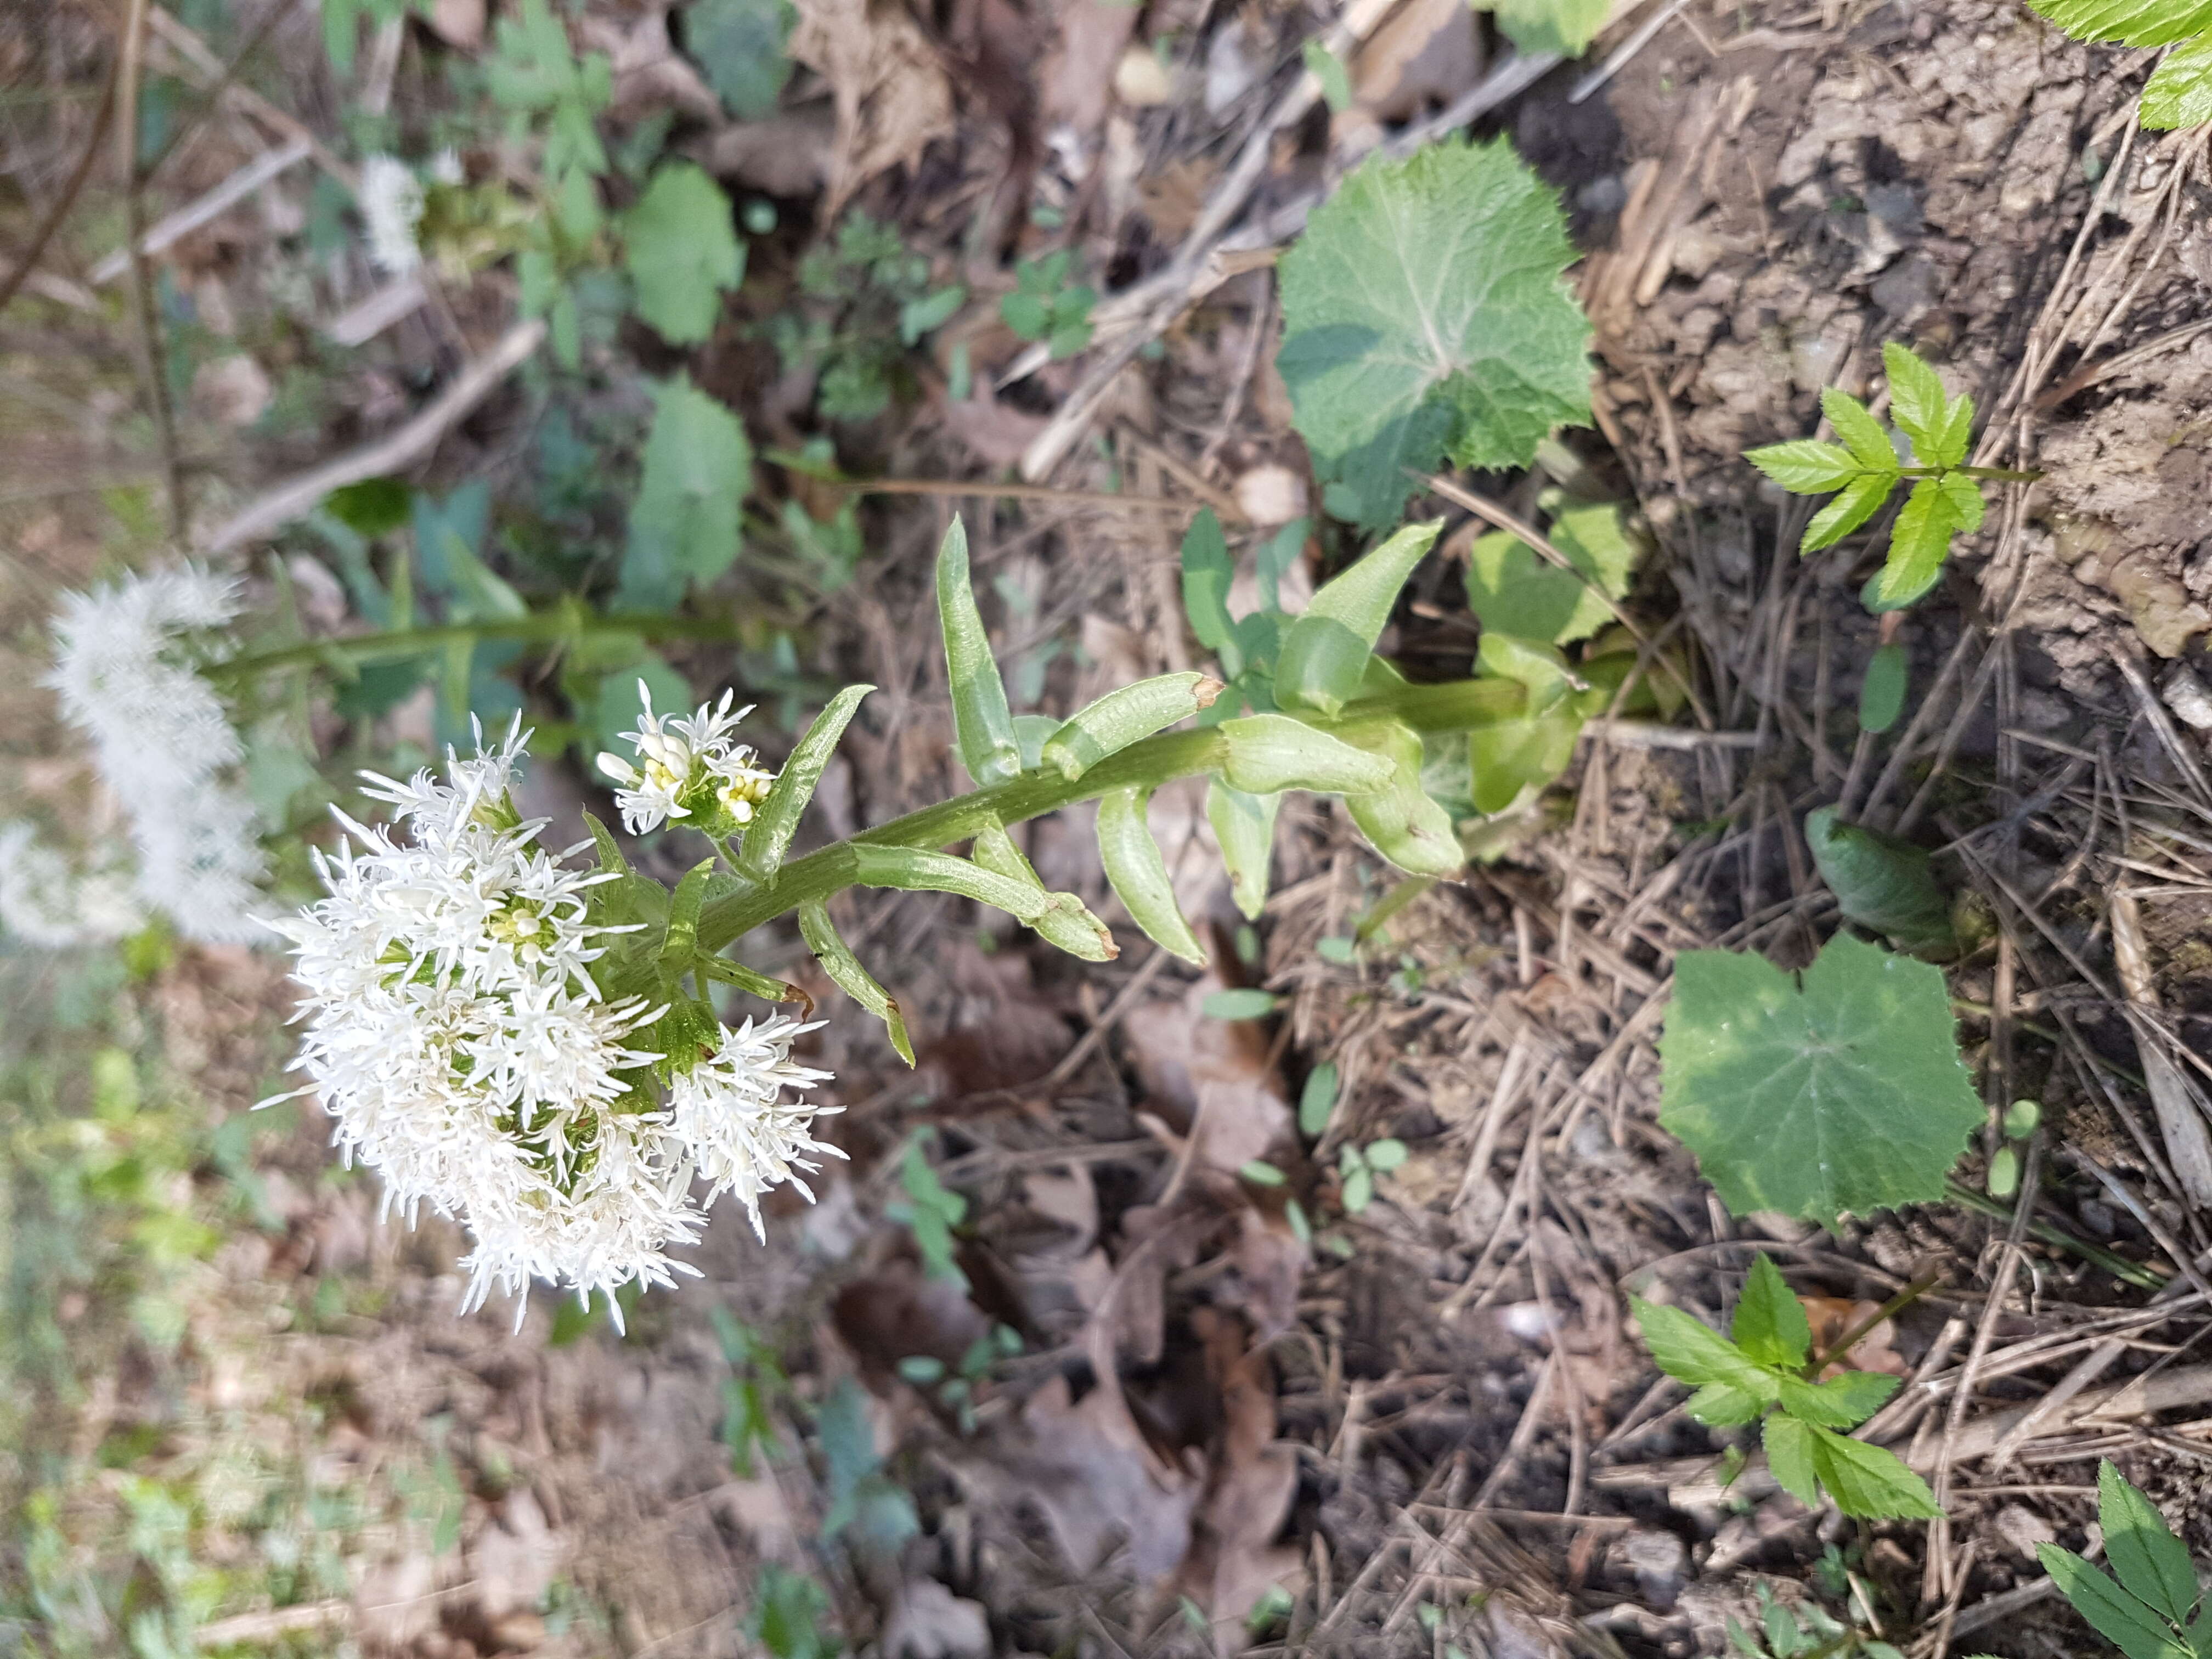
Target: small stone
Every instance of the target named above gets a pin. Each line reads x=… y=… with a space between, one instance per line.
x=2022 y=1530
x=1271 y=494
x=2185 y=695
x=1140 y=80
x=1659 y=1560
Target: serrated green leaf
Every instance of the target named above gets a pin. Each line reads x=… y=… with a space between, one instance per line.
x=1869 y=1481
x=2129 y=22
x=1267 y=754
x=2179 y=91
x=1880 y=882
x=1139 y=875
x=1513 y=591
x=1881 y=693
x=1862 y=434
x=1425 y=315
x=1244 y=826
x=1917 y=399
x=1206 y=573
x=1842 y=1402
x=1922 y=537
x=684 y=524
x=846 y=973
x=1691 y=1352
x=1324 y=655
x=1788 y=1445
x=1857 y=502
x=1769 y=1324
x=1807 y=466
x=1964 y=498
x=2117 y=1616
x=1723 y=1405
x=1946 y=445
x=739 y=45
x=768 y=837
x=982 y=725
x=1846 y=1096
x=682 y=250
x=2152 y=1564
x=1565 y=27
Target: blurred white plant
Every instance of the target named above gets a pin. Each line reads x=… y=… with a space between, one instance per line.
x=688 y=768
x=163 y=744
x=47 y=901
x=457 y=1035
x=391 y=201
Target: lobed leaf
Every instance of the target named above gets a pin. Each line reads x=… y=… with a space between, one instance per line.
x=1424 y=314
x=740 y=46
x=1845 y=1095
x=768 y=837
x=1513 y=591
x=683 y=523
x=2153 y=1565
x=1139 y=875
x=682 y=252
x=1689 y=1351
x=1842 y=1402
x=2117 y=1616
x=982 y=725
x=1324 y=655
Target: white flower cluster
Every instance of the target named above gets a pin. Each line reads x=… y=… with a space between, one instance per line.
x=687 y=767
x=163 y=745
x=390 y=204
x=457 y=1035
x=45 y=902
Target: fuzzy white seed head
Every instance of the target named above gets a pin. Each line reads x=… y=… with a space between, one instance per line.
x=391 y=202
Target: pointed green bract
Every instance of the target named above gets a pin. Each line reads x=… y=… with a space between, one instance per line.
x=1139 y=875
x=1401 y=822
x=982 y=725
x=1244 y=826
x=751 y=981
x=768 y=837
x=1843 y=1096
x=846 y=973
x=1122 y=717
x=1324 y=654
x=1270 y=753
x=1206 y=573
x=1425 y=316
x=1064 y=921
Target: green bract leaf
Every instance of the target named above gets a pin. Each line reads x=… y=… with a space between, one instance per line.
x=1139 y=875
x=1862 y=434
x=1515 y=592
x=1244 y=825
x=1922 y=537
x=1881 y=883
x=1064 y=922
x=682 y=251
x=2179 y=91
x=1206 y=573
x=1423 y=315
x=1691 y=1352
x=1324 y=655
x=1807 y=466
x=768 y=837
x=1401 y=822
x=1122 y=717
x=1270 y=753
x=739 y=43
x=2118 y=1617
x=846 y=973
x=1562 y=26
x=1916 y=402
x=1770 y=1322
x=1881 y=693
x=982 y=725
x=684 y=524
x=1858 y=503
x=1846 y=1096
x=2153 y=1565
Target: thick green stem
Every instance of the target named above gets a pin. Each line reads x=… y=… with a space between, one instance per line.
x=1458 y=706
x=564 y=623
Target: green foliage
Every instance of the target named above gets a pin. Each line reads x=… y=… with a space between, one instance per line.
x=982 y=725
x=1565 y=27
x=1843 y=1094
x=2179 y=93
x=682 y=252
x=683 y=523
x=788 y=1609
x=864 y=301
x=863 y=1499
x=1512 y=590
x=341 y=21
x=755 y=1383
x=1881 y=693
x=532 y=72
x=739 y=43
x=1325 y=652
x=1358 y=1166
x=1863 y=469
x=1317 y=1100
x=1045 y=307
x=2146 y=1613
x=1764 y=1369
x=1882 y=882
x=1138 y=874
x=1806 y=1632
x=933 y=1210
x=1425 y=316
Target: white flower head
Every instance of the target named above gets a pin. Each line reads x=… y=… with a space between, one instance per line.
x=730 y=1110
x=391 y=202
x=457 y=1037
x=163 y=745
x=688 y=768
x=47 y=901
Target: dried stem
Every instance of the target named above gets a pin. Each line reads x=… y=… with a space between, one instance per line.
x=129 y=65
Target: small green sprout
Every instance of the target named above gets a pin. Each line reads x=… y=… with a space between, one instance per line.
x=1043 y=306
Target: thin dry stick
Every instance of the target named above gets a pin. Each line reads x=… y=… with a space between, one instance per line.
x=174 y=227
x=60 y=209
x=149 y=326
x=986 y=487
x=389 y=454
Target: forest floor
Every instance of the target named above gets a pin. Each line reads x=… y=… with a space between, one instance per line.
x=248 y=1415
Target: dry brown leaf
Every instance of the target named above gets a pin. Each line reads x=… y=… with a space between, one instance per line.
x=1173 y=196
x=650 y=73
x=1234 y=1559
x=996 y=434
x=1830 y=1316
x=1430 y=49
x=1092 y=32
x=1216 y=1073
x=458 y=23
x=787 y=155
x=890 y=92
